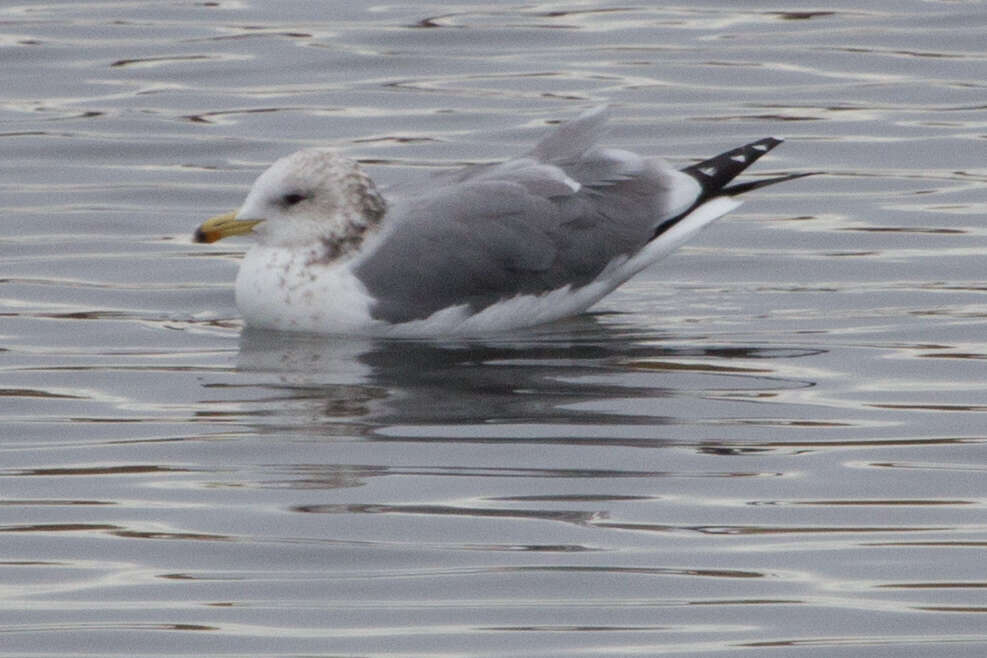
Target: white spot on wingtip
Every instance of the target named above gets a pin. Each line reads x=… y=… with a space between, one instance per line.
x=738 y=158
x=760 y=147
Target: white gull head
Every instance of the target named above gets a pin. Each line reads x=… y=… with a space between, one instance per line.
x=314 y=197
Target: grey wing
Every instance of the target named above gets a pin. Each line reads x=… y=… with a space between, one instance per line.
x=553 y=218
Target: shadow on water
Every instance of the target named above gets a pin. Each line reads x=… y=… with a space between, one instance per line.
x=515 y=387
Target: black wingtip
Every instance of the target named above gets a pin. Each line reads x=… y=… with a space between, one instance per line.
x=740 y=188
x=717 y=172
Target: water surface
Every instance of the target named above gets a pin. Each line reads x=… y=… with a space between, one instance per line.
x=773 y=442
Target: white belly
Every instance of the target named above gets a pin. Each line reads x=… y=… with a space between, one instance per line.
x=277 y=289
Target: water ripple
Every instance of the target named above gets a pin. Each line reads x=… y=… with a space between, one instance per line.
x=773 y=440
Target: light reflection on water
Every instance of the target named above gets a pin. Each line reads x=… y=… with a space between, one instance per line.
x=773 y=440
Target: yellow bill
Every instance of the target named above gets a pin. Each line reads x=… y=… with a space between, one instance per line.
x=224 y=226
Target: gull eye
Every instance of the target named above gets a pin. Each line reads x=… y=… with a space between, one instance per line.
x=293 y=198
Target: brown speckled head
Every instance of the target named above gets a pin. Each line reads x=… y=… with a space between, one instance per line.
x=314 y=197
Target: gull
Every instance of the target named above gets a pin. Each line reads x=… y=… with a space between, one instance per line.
x=485 y=248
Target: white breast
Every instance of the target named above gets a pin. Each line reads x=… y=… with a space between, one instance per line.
x=278 y=288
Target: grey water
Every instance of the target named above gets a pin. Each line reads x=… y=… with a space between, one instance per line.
x=772 y=443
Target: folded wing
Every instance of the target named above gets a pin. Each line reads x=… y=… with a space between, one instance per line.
x=562 y=215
